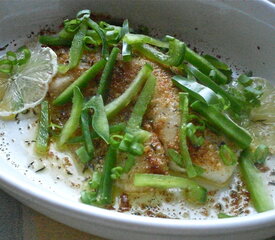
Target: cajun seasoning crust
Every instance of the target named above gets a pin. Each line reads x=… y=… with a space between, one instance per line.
x=206 y=155
x=123 y=75
x=164 y=109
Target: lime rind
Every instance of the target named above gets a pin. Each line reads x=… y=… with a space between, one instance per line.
x=28 y=85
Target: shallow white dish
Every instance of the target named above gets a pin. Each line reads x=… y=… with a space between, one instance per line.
x=241 y=31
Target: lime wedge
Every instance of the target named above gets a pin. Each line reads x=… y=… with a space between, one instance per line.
x=28 y=85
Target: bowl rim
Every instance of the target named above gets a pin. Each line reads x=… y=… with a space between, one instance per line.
x=21 y=189
x=69 y=207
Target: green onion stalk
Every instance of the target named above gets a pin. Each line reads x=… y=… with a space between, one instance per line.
x=193 y=191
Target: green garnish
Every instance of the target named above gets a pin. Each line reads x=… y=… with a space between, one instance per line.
x=228 y=157
x=141 y=105
x=43 y=136
x=81 y=82
x=260 y=154
x=116 y=172
x=223 y=215
x=191 y=131
x=20 y=57
x=55 y=41
x=123 y=100
x=175 y=157
x=223 y=124
x=221 y=66
x=126 y=48
x=95 y=181
x=196 y=90
x=143 y=39
x=116 y=128
x=207 y=81
x=92 y=24
x=193 y=191
x=204 y=66
x=261 y=197
x=104 y=193
x=99 y=121
x=87 y=137
x=104 y=83
x=76 y=49
x=174 y=57
x=244 y=80
x=83 y=155
x=72 y=123
x=88 y=197
x=191 y=171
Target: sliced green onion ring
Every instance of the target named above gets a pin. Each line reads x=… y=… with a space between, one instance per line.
x=6 y=66
x=83 y=14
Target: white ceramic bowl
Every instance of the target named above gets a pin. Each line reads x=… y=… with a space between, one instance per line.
x=241 y=31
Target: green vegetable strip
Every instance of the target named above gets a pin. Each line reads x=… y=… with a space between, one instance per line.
x=216 y=63
x=78 y=139
x=88 y=197
x=100 y=122
x=95 y=181
x=106 y=75
x=244 y=80
x=235 y=104
x=104 y=194
x=228 y=157
x=111 y=37
x=6 y=66
x=93 y=34
x=71 y=26
x=129 y=163
x=11 y=56
x=72 y=123
x=174 y=57
x=120 y=127
x=196 y=90
x=191 y=130
x=81 y=82
x=123 y=100
x=85 y=120
x=83 y=155
x=126 y=48
x=54 y=41
x=194 y=192
x=117 y=128
x=252 y=177
x=223 y=215
x=63 y=34
x=20 y=57
x=203 y=65
x=76 y=49
x=42 y=138
x=175 y=157
x=260 y=154
x=94 y=25
x=191 y=171
x=116 y=172
x=141 y=105
x=223 y=124
x=141 y=39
